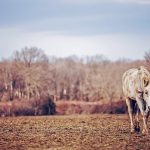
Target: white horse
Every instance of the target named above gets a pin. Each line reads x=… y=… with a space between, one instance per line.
x=136 y=89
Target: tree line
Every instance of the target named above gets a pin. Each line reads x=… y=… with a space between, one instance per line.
x=31 y=73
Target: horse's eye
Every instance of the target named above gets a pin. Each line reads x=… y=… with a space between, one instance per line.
x=146 y=92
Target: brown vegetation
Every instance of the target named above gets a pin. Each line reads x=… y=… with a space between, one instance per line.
x=30 y=73
x=23 y=107
x=74 y=107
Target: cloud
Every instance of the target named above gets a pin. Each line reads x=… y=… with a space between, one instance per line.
x=90 y=2
x=61 y=17
x=82 y=1
x=133 y=1
x=113 y=46
x=144 y=2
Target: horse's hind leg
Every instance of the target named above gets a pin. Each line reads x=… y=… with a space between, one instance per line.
x=130 y=111
x=137 y=122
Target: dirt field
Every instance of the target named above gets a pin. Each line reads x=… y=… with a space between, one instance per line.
x=84 y=132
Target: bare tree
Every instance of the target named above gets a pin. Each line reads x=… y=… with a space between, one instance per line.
x=32 y=65
x=30 y=73
x=147 y=58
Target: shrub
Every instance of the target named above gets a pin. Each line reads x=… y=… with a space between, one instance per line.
x=41 y=106
x=74 y=107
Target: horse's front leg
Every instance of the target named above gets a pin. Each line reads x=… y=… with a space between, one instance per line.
x=144 y=115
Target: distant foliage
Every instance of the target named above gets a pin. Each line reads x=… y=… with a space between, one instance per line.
x=72 y=107
x=30 y=74
x=21 y=107
x=147 y=59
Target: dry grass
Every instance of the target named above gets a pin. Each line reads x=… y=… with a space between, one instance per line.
x=81 y=107
x=76 y=132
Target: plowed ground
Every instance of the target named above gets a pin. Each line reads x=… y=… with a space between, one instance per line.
x=84 y=132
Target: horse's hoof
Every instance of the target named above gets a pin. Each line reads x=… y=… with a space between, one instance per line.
x=137 y=129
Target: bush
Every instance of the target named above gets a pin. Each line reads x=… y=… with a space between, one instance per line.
x=42 y=106
x=74 y=107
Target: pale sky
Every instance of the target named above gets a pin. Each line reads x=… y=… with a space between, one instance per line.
x=114 y=28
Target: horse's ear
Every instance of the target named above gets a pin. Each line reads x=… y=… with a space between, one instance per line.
x=139 y=91
x=145 y=81
x=145 y=76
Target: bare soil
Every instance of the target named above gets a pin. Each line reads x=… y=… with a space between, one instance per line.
x=76 y=132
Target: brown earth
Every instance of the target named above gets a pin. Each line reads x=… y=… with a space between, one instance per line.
x=77 y=132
